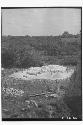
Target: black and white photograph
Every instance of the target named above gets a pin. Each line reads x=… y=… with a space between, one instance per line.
x=41 y=63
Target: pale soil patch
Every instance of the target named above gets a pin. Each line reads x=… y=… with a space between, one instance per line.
x=50 y=72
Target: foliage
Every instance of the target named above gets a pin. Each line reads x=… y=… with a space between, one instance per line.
x=26 y=51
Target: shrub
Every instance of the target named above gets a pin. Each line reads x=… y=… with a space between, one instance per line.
x=7 y=59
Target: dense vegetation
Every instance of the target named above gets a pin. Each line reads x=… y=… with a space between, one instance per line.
x=25 y=51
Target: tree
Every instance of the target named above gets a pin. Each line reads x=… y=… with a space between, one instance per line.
x=65 y=34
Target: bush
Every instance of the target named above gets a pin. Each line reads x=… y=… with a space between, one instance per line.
x=28 y=62
x=7 y=59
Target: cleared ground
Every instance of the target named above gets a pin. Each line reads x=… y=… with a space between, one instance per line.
x=49 y=72
x=32 y=98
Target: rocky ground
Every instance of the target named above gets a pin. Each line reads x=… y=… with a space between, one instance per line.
x=34 y=99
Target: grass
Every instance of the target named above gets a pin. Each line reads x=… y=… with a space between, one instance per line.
x=37 y=51
x=17 y=106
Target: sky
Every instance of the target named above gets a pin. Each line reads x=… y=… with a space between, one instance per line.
x=40 y=21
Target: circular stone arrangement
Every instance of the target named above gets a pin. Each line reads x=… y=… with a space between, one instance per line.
x=49 y=72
